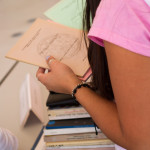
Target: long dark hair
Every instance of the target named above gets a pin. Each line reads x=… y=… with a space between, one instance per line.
x=96 y=55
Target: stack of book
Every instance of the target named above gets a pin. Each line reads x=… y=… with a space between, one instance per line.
x=71 y=127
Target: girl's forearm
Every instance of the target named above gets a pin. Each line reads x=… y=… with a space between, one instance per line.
x=103 y=112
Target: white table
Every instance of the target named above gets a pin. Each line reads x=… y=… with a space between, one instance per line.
x=10 y=107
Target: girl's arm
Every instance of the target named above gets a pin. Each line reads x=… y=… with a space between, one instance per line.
x=126 y=122
x=130 y=78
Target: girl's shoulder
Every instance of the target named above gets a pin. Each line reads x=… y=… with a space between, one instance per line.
x=125 y=23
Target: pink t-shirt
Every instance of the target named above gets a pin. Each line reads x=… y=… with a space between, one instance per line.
x=125 y=23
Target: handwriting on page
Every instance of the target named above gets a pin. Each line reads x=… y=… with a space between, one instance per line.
x=63 y=44
x=33 y=38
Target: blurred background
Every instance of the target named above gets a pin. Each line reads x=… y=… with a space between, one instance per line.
x=16 y=16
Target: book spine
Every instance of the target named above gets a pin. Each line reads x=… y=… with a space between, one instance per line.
x=80 y=143
x=74 y=137
x=93 y=147
x=68 y=116
x=73 y=126
x=77 y=112
x=66 y=110
x=69 y=131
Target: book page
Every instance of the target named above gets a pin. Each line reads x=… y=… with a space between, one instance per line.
x=46 y=38
x=37 y=105
x=25 y=104
x=30 y=100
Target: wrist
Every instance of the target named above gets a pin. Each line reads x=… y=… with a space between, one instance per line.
x=73 y=85
x=78 y=87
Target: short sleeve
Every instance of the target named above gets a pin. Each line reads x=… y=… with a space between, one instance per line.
x=125 y=23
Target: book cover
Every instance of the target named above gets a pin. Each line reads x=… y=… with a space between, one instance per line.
x=58 y=97
x=67 y=12
x=87 y=75
x=70 y=123
x=67 y=103
x=46 y=38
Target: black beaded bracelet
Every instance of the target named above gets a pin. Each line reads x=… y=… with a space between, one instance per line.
x=74 y=91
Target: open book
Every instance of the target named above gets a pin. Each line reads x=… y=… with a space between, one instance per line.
x=46 y=38
x=31 y=101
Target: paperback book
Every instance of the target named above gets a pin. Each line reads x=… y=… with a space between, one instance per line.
x=67 y=113
x=59 y=99
x=70 y=130
x=70 y=123
x=74 y=137
x=80 y=143
x=46 y=38
x=30 y=100
x=67 y=12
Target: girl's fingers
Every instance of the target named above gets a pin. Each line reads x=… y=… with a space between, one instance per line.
x=50 y=61
x=40 y=72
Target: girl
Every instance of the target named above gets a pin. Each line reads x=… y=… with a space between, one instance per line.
x=119 y=55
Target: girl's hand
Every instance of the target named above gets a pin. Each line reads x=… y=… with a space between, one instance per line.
x=60 y=78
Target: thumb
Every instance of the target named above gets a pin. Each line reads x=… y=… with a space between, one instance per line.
x=50 y=60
